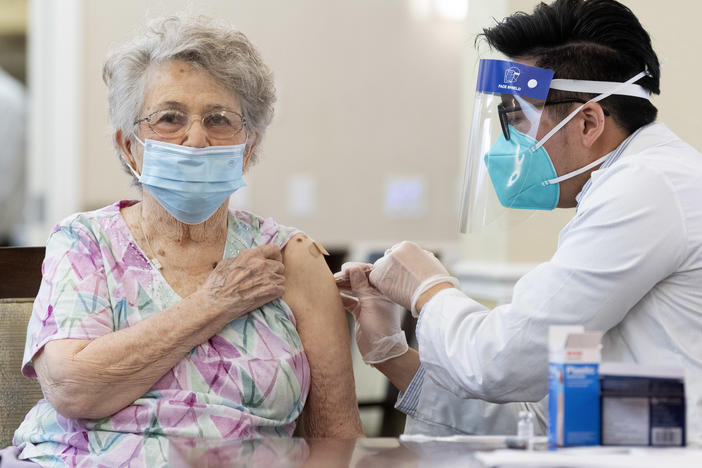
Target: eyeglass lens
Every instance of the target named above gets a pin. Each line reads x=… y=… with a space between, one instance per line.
x=172 y=123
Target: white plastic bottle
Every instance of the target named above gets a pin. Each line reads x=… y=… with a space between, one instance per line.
x=525 y=429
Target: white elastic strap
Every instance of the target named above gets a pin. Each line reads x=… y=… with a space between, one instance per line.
x=530 y=111
x=425 y=285
x=133 y=171
x=128 y=165
x=570 y=175
x=586 y=86
x=595 y=99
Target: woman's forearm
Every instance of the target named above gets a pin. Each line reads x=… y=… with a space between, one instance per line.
x=96 y=378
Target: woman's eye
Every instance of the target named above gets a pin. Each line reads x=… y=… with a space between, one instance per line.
x=171 y=118
x=217 y=120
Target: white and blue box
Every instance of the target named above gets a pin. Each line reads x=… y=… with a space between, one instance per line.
x=573 y=386
x=642 y=405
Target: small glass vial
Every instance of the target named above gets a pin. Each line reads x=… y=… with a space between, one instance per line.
x=525 y=430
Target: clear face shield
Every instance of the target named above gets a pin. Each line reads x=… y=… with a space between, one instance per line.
x=508 y=171
x=508 y=105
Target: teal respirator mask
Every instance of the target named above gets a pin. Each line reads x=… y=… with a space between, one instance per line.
x=507 y=166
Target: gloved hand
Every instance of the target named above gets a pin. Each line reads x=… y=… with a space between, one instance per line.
x=379 y=335
x=406 y=272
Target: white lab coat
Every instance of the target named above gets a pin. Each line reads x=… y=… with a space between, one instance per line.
x=434 y=411
x=629 y=264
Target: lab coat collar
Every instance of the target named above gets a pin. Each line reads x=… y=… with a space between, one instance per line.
x=653 y=134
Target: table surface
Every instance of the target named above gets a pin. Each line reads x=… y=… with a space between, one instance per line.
x=312 y=453
x=468 y=452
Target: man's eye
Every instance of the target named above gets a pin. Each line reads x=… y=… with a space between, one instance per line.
x=515 y=118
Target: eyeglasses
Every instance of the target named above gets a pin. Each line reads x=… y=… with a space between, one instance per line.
x=173 y=123
x=505 y=120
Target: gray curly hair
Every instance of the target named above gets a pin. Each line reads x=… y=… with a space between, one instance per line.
x=223 y=52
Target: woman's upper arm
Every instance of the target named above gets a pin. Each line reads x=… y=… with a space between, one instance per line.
x=72 y=301
x=310 y=291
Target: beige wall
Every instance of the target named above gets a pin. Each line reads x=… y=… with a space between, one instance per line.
x=13 y=16
x=368 y=92
x=365 y=92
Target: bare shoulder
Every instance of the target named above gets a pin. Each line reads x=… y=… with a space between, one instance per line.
x=302 y=252
x=307 y=276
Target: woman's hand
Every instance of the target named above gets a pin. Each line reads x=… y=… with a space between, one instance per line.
x=248 y=281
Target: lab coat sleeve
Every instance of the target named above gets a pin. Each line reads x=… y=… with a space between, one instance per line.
x=432 y=410
x=627 y=235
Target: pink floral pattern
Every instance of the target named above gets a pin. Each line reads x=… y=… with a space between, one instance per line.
x=248 y=381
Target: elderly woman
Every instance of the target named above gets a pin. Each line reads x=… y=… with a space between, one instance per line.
x=174 y=316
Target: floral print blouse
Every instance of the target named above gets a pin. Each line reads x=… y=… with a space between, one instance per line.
x=249 y=380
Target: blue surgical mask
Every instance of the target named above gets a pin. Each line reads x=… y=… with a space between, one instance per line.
x=191 y=183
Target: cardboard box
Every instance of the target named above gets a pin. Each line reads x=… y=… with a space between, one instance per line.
x=642 y=405
x=574 y=386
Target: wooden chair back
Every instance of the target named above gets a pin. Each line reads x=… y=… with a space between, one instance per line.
x=20 y=271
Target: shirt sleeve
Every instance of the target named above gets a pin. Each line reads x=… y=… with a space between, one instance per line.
x=267 y=230
x=407 y=402
x=73 y=299
x=627 y=235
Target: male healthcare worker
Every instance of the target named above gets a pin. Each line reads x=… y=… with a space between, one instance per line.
x=565 y=122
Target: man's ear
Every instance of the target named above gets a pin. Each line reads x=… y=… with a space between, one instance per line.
x=124 y=144
x=248 y=152
x=593 y=123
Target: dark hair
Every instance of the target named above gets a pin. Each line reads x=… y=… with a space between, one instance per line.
x=597 y=40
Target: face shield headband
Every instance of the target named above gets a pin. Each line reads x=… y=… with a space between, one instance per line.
x=507 y=167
